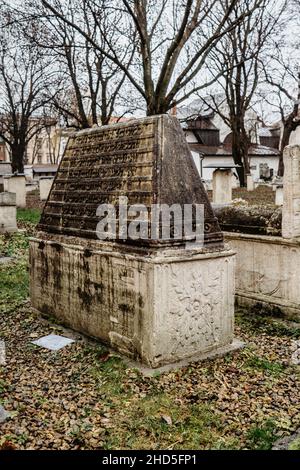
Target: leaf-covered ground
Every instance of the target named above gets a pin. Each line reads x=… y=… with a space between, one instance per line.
x=83 y=397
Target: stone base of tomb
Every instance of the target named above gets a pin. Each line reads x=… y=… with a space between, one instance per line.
x=156 y=307
x=235 y=345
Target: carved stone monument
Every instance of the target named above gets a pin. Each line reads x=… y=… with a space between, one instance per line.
x=291 y=192
x=155 y=300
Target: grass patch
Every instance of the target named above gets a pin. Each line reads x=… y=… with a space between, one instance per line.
x=14 y=279
x=157 y=421
x=257 y=325
x=15 y=244
x=29 y=215
x=295 y=445
x=262 y=437
x=14 y=285
x=258 y=363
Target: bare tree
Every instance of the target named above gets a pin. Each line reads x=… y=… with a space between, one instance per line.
x=282 y=76
x=238 y=58
x=174 y=40
x=90 y=87
x=23 y=79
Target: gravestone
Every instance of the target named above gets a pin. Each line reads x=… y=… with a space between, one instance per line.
x=291 y=192
x=222 y=186
x=157 y=300
x=16 y=184
x=8 y=212
x=279 y=195
x=45 y=184
x=2 y=353
x=250 y=183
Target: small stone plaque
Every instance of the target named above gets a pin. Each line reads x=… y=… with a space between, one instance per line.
x=53 y=342
x=2 y=353
x=3 y=414
x=5 y=259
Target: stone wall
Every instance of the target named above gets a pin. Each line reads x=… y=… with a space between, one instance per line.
x=267 y=273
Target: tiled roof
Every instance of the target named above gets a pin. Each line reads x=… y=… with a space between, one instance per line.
x=226 y=151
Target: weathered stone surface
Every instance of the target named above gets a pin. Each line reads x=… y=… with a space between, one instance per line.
x=295 y=358
x=261 y=220
x=2 y=353
x=148 y=160
x=53 y=342
x=3 y=414
x=45 y=185
x=279 y=196
x=291 y=196
x=267 y=273
x=8 y=212
x=250 y=183
x=7 y=199
x=159 y=308
x=16 y=184
x=222 y=186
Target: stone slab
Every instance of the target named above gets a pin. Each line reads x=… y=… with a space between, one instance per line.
x=295 y=357
x=16 y=184
x=45 y=185
x=219 y=352
x=291 y=192
x=222 y=186
x=53 y=342
x=3 y=414
x=5 y=259
x=2 y=353
x=267 y=273
x=8 y=218
x=250 y=183
x=7 y=199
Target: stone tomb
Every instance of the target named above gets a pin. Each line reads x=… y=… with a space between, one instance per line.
x=155 y=301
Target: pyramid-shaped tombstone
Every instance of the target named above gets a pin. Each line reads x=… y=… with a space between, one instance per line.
x=146 y=160
x=152 y=299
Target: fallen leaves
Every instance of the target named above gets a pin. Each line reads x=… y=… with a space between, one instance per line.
x=84 y=397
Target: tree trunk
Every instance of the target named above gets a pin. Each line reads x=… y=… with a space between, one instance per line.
x=237 y=154
x=17 y=158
